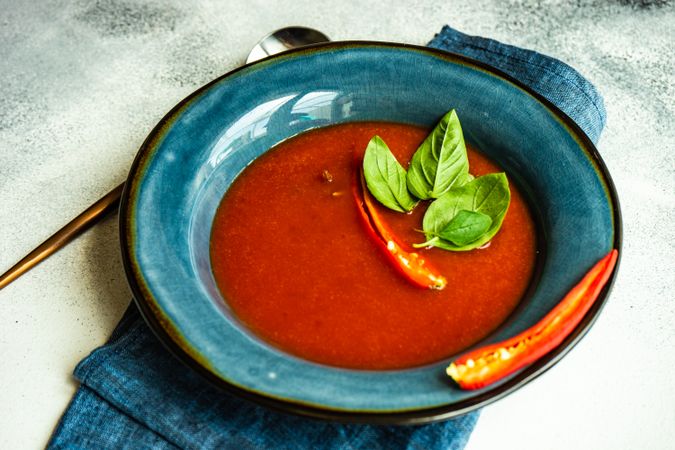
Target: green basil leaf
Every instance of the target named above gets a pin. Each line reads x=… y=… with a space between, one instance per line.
x=466 y=227
x=440 y=162
x=487 y=195
x=385 y=177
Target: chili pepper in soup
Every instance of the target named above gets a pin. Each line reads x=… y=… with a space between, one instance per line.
x=292 y=259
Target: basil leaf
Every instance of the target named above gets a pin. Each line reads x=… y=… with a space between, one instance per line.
x=466 y=227
x=385 y=177
x=440 y=162
x=488 y=195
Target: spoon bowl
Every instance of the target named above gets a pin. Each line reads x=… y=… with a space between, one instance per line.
x=285 y=39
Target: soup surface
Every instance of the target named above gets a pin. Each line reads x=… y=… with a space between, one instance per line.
x=295 y=264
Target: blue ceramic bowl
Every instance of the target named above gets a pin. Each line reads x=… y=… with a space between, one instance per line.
x=193 y=155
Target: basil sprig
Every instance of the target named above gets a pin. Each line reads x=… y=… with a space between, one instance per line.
x=441 y=161
x=385 y=177
x=467 y=212
x=447 y=225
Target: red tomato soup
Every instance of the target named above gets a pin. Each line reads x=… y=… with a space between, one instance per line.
x=294 y=263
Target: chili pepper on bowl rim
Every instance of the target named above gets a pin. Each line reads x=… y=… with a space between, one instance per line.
x=486 y=365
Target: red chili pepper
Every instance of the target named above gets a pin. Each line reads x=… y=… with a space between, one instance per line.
x=410 y=264
x=491 y=363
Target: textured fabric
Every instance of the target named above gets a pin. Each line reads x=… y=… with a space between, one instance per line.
x=134 y=394
x=553 y=79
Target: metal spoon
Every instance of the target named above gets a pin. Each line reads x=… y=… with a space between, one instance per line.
x=285 y=39
x=276 y=42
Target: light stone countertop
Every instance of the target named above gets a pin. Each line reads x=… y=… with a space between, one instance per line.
x=83 y=82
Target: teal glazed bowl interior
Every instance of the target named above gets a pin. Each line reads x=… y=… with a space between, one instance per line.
x=195 y=153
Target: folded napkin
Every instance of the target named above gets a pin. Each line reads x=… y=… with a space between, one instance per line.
x=134 y=394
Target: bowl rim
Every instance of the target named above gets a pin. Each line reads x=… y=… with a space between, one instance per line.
x=158 y=322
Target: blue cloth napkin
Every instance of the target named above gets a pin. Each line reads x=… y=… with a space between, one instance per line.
x=134 y=394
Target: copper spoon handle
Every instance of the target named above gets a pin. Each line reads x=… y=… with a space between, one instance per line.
x=75 y=227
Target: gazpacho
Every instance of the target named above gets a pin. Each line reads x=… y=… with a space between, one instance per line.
x=295 y=263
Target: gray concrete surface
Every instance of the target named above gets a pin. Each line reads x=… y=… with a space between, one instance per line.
x=82 y=83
